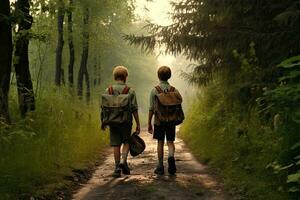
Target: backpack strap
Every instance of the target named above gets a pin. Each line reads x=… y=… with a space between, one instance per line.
x=158 y=89
x=110 y=90
x=172 y=89
x=125 y=90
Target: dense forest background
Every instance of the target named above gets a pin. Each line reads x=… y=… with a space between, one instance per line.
x=245 y=121
x=57 y=57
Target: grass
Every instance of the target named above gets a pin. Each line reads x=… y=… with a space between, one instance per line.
x=36 y=153
x=239 y=147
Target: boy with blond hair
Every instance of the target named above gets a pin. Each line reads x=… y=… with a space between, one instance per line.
x=165 y=106
x=119 y=104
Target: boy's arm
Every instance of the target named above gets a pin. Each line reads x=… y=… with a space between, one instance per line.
x=150 y=116
x=134 y=107
x=103 y=127
x=151 y=111
x=137 y=120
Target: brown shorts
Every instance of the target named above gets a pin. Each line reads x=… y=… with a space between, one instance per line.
x=120 y=134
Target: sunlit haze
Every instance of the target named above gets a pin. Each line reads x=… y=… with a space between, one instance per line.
x=156 y=11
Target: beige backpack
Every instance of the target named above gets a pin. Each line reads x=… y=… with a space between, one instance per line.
x=116 y=107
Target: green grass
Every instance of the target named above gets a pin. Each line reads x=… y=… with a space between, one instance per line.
x=38 y=152
x=239 y=147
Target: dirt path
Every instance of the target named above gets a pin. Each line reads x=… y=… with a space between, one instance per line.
x=191 y=182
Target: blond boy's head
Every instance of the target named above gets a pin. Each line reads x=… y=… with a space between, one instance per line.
x=164 y=73
x=120 y=73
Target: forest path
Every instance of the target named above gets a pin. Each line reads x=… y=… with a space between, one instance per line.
x=192 y=180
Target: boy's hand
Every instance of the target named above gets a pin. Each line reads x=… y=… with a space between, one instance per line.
x=150 y=129
x=103 y=127
x=138 y=129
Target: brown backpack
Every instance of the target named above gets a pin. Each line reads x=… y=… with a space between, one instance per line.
x=167 y=107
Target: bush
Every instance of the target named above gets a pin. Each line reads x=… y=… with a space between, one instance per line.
x=39 y=151
x=220 y=131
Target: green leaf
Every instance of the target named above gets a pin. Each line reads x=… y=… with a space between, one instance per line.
x=290 y=63
x=294 y=189
x=295 y=146
x=293 y=178
x=286 y=167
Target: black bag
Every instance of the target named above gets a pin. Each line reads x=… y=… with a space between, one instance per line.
x=137 y=145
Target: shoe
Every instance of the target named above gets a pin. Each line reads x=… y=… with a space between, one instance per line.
x=172 y=166
x=125 y=168
x=117 y=173
x=160 y=170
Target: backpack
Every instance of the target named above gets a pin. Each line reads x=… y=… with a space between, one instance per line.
x=167 y=107
x=116 y=107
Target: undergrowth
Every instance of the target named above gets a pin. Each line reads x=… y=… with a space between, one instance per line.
x=247 y=125
x=241 y=150
x=37 y=152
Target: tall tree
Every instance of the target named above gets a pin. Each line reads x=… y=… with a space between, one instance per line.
x=5 y=58
x=83 y=71
x=71 y=45
x=24 y=83
x=60 y=42
x=209 y=30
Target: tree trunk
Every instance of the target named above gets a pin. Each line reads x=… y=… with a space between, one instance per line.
x=97 y=74
x=71 y=45
x=63 y=81
x=88 y=87
x=83 y=72
x=60 y=42
x=24 y=83
x=5 y=58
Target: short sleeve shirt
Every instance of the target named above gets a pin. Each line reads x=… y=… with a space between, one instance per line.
x=164 y=85
x=119 y=87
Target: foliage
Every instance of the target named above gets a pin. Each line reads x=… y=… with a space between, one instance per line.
x=233 y=140
x=245 y=130
x=244 y=91
x=282 y=102
x=39 y=151
x=207 y=31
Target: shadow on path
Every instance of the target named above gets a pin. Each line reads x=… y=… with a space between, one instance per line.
x=192 y=180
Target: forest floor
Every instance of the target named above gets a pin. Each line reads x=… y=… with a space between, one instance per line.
x=192 y=181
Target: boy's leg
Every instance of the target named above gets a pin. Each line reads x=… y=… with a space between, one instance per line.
x=125 y=151
x=126 y=135
x=160 y=152
x=123 y=164
x=117 y=155
x=171 y=148
x=115 y=142
x=117 y=171
x=170 y=134
x=159 y=134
